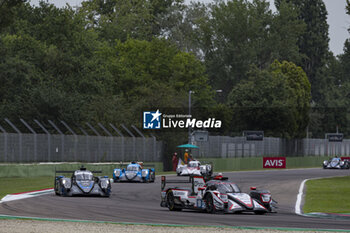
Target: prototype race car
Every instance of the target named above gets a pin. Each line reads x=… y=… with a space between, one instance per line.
x=134 y=172
x=83 y=183
x=336 y=163
x=215 y=195
x=194 y=167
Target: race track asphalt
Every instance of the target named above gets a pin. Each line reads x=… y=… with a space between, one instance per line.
x=140 y=203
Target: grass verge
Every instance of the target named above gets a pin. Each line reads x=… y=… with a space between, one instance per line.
x=329 y=195
x=21 y=184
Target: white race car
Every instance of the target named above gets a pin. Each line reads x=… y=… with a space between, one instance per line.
x=194 y=167
x=215 y=195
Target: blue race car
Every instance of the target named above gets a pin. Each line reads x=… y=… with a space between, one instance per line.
x=134 y=172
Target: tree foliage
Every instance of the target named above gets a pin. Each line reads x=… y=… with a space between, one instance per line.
x=276 y=100
x=313 y=43
x=107 y=61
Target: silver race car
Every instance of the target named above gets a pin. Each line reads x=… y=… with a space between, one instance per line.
x=83 y=183
x=194 y=167
x=336 y=163
x=215 y=195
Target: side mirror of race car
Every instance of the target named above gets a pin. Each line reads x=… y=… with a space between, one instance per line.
x=201 y=188
x=252 y=188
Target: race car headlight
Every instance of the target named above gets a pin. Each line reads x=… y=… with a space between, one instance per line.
x=265 y=197
x=325 y=162
x=341 y=163
x=144 y=173
x=66 y=183
x=104 y=184
x=117 y=172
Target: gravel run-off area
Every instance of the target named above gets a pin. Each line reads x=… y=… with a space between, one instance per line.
x=31 y=226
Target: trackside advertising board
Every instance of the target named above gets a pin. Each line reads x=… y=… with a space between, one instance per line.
x=274 y=162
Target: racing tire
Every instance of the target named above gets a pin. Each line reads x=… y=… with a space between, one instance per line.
x=209 y=204
x=153 y=177
x=56 y=188
x=170 y=200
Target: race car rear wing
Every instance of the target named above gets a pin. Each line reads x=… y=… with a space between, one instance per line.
x=144 y=165
x=74 y=171
x=165 y=181
x=195 y=181
x=81 y=169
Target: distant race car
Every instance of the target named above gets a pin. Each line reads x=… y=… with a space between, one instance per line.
x=336 y=163
x=134 y=172
x=82 y=182
x=215 y=195
x=194 y=167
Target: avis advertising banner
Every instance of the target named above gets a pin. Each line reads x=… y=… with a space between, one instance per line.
x=274 y=162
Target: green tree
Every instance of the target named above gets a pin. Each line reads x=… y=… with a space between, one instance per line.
x=286 y=29
x=313 y=43
x=156 y=74
x=7 y=9
x=185 y=25
x=120 y=20
x=230 y=36
x=276 y=100
x=237 y=37
x=50 y=66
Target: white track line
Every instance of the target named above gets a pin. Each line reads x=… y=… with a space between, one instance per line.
x=298 y=209
x=19 y=196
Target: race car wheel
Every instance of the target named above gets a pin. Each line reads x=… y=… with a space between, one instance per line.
x=56 y=187
x=209 y=204
x=153 y=177
x=171 y=202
